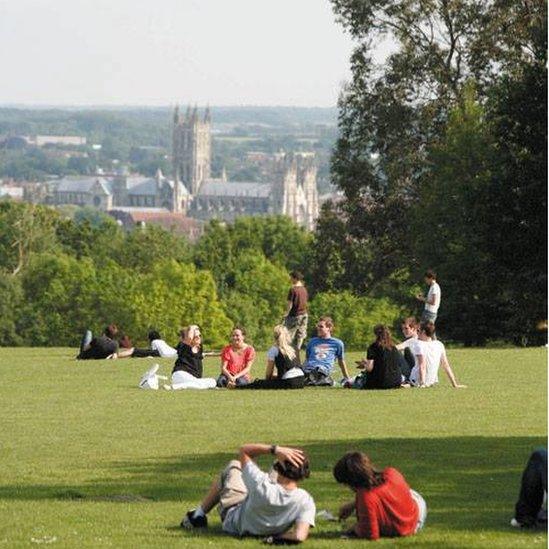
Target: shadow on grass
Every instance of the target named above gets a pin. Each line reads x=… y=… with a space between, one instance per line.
x=469 y=483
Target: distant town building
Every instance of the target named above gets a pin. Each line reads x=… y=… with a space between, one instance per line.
x=291 y=191
x=172 y=221
x=41 y=140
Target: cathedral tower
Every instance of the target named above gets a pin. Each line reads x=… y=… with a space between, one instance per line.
x=192 y=149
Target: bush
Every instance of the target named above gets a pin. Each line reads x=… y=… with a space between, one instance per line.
x=354 y=316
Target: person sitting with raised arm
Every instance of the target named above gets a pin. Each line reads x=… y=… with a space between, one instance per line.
x=430 y=355
x=187 y=371
x=252 y=503
x=236 y=360
x=321 y=354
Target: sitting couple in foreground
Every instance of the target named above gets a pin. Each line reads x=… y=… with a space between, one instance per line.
x=252 y=502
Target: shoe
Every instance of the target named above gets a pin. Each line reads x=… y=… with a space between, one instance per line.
x=515 y=523
x=190 y=522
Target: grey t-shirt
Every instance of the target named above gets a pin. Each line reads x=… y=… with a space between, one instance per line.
x=268 y=508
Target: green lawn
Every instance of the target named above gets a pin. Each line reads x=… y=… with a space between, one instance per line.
x=89 y=460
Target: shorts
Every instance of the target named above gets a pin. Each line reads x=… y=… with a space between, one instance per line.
x=422 y=506
x=428 y=316
x=232 y=489
x=297 y=328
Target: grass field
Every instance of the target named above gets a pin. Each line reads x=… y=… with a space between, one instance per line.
x=89 y=460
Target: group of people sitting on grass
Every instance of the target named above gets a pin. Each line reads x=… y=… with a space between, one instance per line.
x=414 y=362
x=252 y=502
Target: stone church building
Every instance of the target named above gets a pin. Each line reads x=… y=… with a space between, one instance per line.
x=292 y=190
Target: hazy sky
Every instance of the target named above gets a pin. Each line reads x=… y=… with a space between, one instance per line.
x=157 y=52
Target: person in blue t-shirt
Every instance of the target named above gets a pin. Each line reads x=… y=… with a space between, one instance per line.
x=322 y=352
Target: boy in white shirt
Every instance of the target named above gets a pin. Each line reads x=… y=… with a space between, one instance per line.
x=430 y=354
x=432 y=299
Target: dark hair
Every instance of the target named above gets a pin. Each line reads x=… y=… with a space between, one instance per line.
x=428 y=327
x=383 y=336
x=153 y=334
x=291 y=471
x=328 y=321
x=237 y=327
x=111 y=330
x=429 y=273
x=411 y=321
x=297 y=275
x=356 y=470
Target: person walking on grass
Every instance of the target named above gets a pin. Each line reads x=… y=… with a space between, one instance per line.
x=384 y=503
x=322 y=352
x=236 y=360
x=296 y=318
x=430 y=354
x=252 y=503
x=431 y=299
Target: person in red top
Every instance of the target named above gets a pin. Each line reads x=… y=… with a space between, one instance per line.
x=384 y=503
x=236 y=360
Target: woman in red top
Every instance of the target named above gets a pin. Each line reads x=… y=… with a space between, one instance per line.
x=236 y=360
x=384 y=503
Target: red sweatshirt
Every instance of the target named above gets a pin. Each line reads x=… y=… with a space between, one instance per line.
x=386 y=510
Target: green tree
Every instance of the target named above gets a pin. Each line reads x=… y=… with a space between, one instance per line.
x=354 y=316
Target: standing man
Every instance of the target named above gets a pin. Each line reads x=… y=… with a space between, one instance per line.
x=432 y=299
x=295 y=318
x=322 y=352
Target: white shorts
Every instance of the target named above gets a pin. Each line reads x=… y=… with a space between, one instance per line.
x=184 y=380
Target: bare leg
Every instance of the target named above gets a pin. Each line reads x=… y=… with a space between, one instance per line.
x=211 y=499
x=125 y=353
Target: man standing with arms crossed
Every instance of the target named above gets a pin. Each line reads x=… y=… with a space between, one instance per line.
x=296 y=316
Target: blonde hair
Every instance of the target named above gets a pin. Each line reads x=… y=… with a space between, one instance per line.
x=189 y=332
x=282 y=341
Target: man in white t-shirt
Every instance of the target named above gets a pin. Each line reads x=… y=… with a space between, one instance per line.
x=430 y=354
x=432 y=299
x=251 y=502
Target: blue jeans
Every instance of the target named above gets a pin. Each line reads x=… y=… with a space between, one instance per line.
x=222 y=381
x=533 y=484
x=428 y=316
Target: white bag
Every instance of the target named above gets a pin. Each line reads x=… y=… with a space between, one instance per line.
x=150 y=379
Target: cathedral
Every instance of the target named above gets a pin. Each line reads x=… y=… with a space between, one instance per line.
x=292 y=190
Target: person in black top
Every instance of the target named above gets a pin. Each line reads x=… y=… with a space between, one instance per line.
x=382 y=364
x=296 y=317
x=283 y=371
x=99 y=347
x=187 y=371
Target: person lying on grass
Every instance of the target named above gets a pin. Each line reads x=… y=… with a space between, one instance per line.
x=252 y=503
x=158 y=348
x=384 y=504
x=236 y=360
x=99 y=347
x=430 y=354
x=281 y=357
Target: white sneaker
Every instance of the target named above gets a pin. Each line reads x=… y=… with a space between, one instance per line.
x=515 y=523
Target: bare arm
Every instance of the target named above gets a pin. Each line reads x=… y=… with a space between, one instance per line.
x=298 y=534
x=269 y=372
x=422 y=369
x=346 y=510
x=343 y=367
x=450 y=373
x=246 y=370
x=225 y=371
x=283 y=453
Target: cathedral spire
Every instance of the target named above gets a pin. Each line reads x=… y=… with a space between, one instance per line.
x=194 y=115
x=176 y=114
x=188 y=113
x=207 y=115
